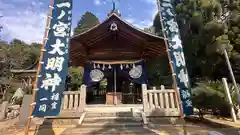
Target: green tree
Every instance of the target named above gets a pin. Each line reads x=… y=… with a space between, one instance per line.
x=87 y=21
x=76 y=76
x=211 y=95
x=4 y=71
x=157 y=25
x=203 y=35
x=22 y=55
x=208 y=27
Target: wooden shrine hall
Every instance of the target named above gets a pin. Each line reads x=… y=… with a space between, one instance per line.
x=114 y=41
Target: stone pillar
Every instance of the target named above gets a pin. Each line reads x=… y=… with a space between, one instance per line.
x=24 y=110
x=3 y=109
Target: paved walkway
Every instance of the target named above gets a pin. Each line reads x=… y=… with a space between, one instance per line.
x=163 y=130
x=193 y=129
x=224 y=121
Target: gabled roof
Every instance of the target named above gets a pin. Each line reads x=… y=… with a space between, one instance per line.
x=112 y=16
x=127 y=43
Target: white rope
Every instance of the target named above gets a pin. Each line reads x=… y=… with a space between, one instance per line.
x=35 y=89
x=30 y=117
x=49 y=17
x=43 y=50
x=51 y=6
x=34 y=103
x=168 y=50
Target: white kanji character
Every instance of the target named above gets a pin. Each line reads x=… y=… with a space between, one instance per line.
x=57 y=47
x=51 y=82
x=55 y=63
x=43 y=99
x=54 y=105
x=61 y=15
x=178 y=42
x=50 y=63
x=183 y=78
x=173 y=26
x=185 y=94
x=60 y=29
x=42 y=108
x=65 y=4
x=169 y=12
x=55 y=97
x=179 y=57
x=188 y=103
x=166 y=3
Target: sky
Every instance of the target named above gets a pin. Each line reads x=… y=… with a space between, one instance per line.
x=26 y=19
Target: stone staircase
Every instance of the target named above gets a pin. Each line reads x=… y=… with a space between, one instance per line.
x=111 y=123
x=118 y=123
x=119 y=120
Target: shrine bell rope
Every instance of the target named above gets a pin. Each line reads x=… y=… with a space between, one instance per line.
x=32 y=106
x=170 y=62
x=115 y=62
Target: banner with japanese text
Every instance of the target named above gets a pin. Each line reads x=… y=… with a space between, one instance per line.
x=54 y=65
x=176 y=52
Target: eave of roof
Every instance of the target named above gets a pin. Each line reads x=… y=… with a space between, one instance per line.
x=115 y=15
x=79 y=44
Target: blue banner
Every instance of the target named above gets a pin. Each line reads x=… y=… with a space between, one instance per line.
x=171 y=30
x=54 y=65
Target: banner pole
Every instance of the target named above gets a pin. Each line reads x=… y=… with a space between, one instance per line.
x=32 y=105
x=115 y=86
x=172 y=70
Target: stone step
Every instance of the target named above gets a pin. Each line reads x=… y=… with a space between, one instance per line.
x=117 y=114
x=109 y=130
x=60 y=121
x=111 y=121
x=125 y=119
x=165 y=120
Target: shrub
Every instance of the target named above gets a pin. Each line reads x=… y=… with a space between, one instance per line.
x=211 y=96
x=76 y=78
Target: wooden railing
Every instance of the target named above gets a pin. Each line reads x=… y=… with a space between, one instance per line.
x=159 y=102
x=74 y=100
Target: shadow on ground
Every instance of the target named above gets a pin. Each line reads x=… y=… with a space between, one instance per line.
x=45 y=128
x=226 y=130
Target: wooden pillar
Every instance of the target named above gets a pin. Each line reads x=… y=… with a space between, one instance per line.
x=82 y=98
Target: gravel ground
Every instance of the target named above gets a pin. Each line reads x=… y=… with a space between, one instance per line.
x=9 y=128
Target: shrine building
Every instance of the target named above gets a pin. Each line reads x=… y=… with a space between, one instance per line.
x=113 y=54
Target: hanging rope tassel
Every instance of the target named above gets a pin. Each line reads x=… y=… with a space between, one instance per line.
x=121 y=66
x=103 y=67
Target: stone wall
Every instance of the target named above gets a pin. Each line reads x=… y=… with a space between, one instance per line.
x=8 y=111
